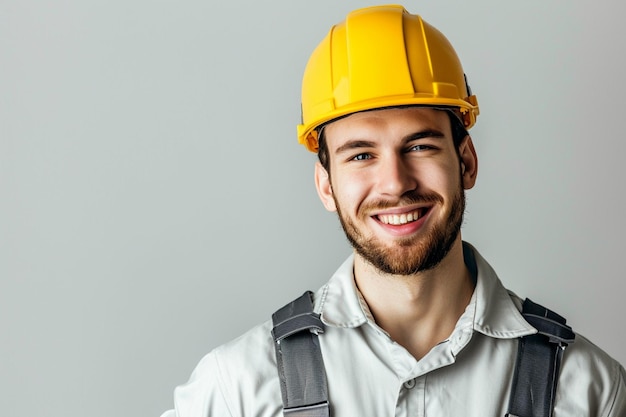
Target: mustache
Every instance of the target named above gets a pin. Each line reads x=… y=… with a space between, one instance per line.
x=411 y=197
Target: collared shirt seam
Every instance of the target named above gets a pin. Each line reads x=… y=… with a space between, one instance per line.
x=322 y=302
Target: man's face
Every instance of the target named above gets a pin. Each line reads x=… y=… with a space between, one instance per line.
x=396 y=183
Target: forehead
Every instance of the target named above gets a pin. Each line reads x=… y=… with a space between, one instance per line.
x=388 y=124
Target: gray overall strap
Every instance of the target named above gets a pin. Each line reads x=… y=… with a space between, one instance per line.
x=538 y=361
x=299 y=359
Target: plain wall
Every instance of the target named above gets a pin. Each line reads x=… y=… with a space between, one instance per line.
x=154 y=202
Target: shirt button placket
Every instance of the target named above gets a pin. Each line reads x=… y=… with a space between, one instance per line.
x=411 y=398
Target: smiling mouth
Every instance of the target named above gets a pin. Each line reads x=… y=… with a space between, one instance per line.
x=400 y=219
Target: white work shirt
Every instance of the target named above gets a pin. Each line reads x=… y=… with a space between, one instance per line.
x=369 y=375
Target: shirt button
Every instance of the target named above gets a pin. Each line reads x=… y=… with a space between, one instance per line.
x=410 y=384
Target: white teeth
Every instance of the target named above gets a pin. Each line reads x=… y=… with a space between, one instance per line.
x=398 y=219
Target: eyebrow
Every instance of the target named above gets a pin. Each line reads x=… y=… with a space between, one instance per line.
x=360 y=143
x=354 y=144
x=428 y=133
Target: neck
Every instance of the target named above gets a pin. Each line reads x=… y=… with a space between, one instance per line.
x=421 y=310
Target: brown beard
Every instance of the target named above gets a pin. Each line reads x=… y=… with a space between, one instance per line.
x=412 y=254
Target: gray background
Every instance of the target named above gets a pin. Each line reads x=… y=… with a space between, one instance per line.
x=154 y=202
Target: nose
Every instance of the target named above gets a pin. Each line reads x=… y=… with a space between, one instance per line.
x=395 y=176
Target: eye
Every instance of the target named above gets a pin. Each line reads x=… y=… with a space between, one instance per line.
x=420 y=148
x=361 y=157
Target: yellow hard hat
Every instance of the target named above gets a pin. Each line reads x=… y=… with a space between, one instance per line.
x=378 y=57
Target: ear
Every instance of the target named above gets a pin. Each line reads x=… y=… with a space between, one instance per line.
x=324 y=187
x=469 y=163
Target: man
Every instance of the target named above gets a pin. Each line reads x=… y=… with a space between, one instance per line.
x=416 y=321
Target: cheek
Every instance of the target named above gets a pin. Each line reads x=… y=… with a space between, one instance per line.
x=444 y=179
x=349 y=191
x=451 y=184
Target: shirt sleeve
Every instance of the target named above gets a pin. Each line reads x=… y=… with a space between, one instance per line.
x=618 y=406
x=202 y=395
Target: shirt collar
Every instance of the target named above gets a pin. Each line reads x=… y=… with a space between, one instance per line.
x=492 y=311
x=496 y=310
x=339 y=301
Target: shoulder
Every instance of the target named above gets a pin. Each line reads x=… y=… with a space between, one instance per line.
x=251 y=352
x=234 y=379
x=585 y=355
x=245 y=363
x=592 y=381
